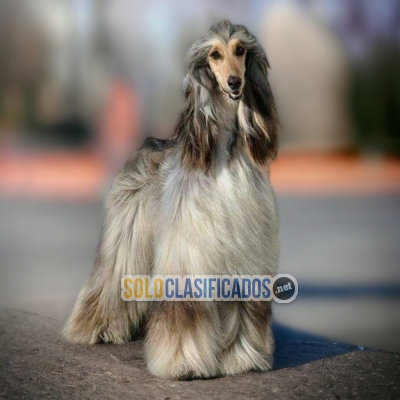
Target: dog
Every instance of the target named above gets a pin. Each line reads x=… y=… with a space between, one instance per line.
x=198 y=203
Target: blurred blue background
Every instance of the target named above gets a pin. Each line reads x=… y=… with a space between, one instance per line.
x=82 y=82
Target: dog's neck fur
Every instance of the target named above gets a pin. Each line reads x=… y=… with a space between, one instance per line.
x=228 y=110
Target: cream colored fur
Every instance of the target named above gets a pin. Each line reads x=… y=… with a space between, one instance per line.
x=164 y=218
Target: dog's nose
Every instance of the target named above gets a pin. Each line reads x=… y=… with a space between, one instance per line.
x=234 y=82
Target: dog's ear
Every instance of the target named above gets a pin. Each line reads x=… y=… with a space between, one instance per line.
x=257 y=116
x=197 y=128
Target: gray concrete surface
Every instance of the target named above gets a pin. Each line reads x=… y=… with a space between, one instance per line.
x=36 y=363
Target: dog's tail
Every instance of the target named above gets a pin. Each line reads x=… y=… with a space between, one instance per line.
x=125 y=248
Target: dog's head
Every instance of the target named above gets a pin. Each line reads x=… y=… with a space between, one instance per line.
x=228 y=61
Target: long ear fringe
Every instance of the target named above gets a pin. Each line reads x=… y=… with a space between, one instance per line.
x=257 y=116
x=197 y=128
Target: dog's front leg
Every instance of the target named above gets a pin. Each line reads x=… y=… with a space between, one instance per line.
x=100 y=314
x=182 y=340
x=248 y=339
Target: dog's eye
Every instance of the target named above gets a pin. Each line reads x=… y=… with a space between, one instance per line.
x=239 y=51
x=215 y=55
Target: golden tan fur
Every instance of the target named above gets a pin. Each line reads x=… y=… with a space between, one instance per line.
x=230 y=64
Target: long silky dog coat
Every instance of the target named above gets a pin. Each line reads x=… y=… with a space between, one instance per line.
x=198 y=203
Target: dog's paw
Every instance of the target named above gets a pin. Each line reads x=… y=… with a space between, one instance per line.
x=178 y=367
x=86 y=332
x=241 y=357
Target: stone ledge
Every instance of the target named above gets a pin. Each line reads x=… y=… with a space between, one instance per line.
x=36 y=362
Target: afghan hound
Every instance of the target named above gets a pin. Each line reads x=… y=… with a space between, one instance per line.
x=198 y=203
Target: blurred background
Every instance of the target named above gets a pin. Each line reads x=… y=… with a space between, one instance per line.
x=83 y=82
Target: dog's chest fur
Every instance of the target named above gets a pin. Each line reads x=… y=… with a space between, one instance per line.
x=223 y=222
